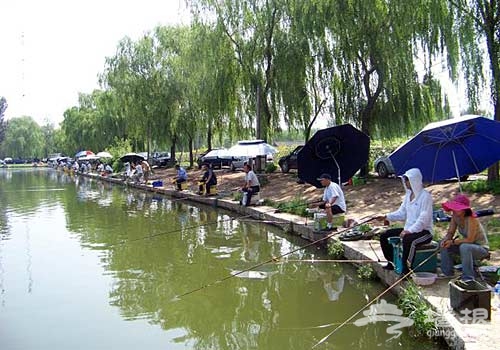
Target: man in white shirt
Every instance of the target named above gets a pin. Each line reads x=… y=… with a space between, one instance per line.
x=252 y=184
x=333 y=199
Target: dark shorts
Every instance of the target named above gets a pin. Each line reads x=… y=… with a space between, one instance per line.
x=335 y=208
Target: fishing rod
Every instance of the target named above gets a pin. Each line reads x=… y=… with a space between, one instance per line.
x=349 y=319
x=273 y=259
x=205 y=224
x=328 y=261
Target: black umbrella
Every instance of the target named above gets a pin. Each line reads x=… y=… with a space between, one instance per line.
x=132 y=157
x=339 y=151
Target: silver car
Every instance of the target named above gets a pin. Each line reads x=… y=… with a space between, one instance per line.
x=383 y=166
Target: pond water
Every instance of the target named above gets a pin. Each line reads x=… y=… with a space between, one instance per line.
x=89 y=265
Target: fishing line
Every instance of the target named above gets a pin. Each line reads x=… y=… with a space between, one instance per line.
x=402 y=278
x=235 y=274
x=286 y=222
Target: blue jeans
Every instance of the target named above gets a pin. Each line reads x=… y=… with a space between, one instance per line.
x=468 y=253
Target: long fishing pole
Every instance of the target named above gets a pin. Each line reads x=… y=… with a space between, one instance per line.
x=361 y=261
x=206 y=224
x=349 y=319
x=362 y=221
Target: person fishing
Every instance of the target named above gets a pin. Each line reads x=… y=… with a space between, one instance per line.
x=416 y=211
x=473 y=245
x=251 y=186
x=207 y=180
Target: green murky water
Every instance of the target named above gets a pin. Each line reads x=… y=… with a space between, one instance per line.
x=88 y=265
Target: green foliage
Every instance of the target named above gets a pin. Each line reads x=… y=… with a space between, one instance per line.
x=118 y=149
x=364 y=228
x=23 y=139
x=263 y=180
x=296 y=206
x=494 y=241
x=366 y=272
x=237 y=196
x=414 y=306
x=335 y=249
x=270 y=168
x=482 y=186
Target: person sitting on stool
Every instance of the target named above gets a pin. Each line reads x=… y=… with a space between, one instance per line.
x=252 y=184
x=207 y=180
x=416 y=210
x=473 y=245
x=333 y=200
x=181 y=176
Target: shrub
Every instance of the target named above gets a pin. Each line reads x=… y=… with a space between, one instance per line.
x=366 y=272
x=270 y=168
x=336 y=249
x=482 y=186
x=237 y=196
x=296 y=206
x=413 y=306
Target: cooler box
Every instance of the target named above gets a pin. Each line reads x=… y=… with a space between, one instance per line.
x=472 y=295
x=422 y=252
x=158 y=183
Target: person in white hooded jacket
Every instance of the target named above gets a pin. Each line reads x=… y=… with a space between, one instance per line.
x=416 y=211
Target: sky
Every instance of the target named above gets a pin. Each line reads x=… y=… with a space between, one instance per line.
x=50 y=50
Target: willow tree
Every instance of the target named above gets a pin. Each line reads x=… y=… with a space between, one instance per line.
x=206 y=86
x=251 y=27
x=478 y=22
x=139 y=76
x=23 y=138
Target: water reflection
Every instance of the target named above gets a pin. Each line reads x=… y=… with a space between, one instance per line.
x=137 y=252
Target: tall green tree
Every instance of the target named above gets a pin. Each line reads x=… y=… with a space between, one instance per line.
x=478 y=22
x=252 y=27
x=23 y=138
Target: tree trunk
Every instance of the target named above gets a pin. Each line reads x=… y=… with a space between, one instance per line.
x=491 y=22
x=191 y=158
x=172 y=148
x=209 y=137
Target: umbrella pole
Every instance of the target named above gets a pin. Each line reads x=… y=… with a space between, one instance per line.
x=338 y=167
x=456 y=169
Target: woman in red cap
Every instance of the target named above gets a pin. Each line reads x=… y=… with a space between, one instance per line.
x=473 y=243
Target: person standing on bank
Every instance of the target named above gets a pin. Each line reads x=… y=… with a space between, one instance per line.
x=474 y=242
x=252 y=184
x=333 y=200
x=416 y=211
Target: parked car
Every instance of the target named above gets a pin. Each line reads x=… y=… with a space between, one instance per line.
x=383 y=166
x=290 y=160
x=216 y=158
x=161 y=159
x=239 y=162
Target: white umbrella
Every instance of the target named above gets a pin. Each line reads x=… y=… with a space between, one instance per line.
x=252 y=148
x=89 y=157
x=104 y=154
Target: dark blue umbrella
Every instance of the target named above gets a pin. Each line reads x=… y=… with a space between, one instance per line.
x=451 y=148
x=339 y=151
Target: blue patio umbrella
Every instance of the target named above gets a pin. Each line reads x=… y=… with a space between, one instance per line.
x=451 y=148
x=339 y=151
